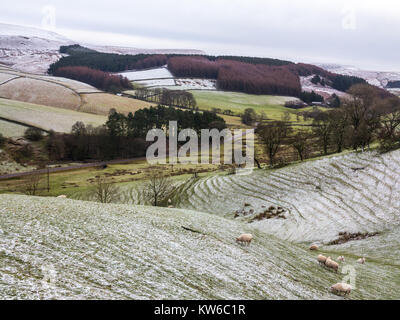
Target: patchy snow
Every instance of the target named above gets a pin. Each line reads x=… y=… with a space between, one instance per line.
x=66 y=249
x=325 y=91
x=377 y=78
x=357 y=192
x=196 y=84
x=157 y=73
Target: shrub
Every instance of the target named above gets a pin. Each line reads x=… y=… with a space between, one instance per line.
x=33 y=134
x=2 y=140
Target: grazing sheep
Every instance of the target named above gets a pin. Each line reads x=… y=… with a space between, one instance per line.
x=361 y=260
x=340 y=288
x=63 y=196
x=321 y=259
x=332 y=264
x=314 y=247
x=341 y=259
x=170 y=207
x=245 y=238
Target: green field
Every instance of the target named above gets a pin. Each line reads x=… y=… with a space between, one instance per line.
x=272 y=106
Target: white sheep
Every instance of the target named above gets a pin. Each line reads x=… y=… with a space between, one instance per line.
x=321 y=259
x=361 y=260
x=63 y=196
x=340 y=288
x=245 y=238
x=332 y=264
x=341 y=259
x=314 y=247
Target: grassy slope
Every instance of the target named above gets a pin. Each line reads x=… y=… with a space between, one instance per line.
x=101 y=103
x=45 y=117
x=40 y=92
x=9 y=129
x=120 y=252
x=63 y=93
x=238 y=102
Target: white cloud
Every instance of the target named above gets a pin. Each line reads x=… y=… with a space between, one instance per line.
x=362 y=32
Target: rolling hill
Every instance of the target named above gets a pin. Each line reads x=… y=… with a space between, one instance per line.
x=67 y=249
x=62 y=93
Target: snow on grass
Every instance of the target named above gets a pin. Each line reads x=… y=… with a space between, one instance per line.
x=66 y=249
x=45 y=117
x=325 y=91
x=147 y=74
x=353 y=193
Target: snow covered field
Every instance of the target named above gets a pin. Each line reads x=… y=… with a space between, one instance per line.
x=148 y=74
x=66 y=249
x=162 y=78
x=358 y=192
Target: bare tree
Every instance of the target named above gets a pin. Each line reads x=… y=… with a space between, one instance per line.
x=340 y=127
x=272 y=136
x=299 y=142
x=322 y=128
x=31 y=185
x=157 y=189
x=105 y=191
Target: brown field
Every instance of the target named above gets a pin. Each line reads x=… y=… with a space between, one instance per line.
x=40 y=92
x=101 y=103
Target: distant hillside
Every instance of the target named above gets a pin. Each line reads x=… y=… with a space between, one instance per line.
x=32 y=49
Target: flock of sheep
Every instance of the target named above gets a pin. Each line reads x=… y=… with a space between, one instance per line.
x=338 y=288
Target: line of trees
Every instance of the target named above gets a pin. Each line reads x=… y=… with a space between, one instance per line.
x=107 y=62
x=176 y=98
x=123 y=136
x=360 y=120
x=99 y=79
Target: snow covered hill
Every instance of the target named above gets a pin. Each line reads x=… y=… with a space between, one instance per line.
x=29 y=49
x=66 y=249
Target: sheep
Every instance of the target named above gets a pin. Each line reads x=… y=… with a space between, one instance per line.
x=321 y=259
x=245 y=238
x=314 y=247
x=341 y=259
x=361 y=260
x=340 y=288
x=63 y=196
x=332 y=264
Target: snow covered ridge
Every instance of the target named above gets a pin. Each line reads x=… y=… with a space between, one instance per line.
x=29 y=49
x=376 y=78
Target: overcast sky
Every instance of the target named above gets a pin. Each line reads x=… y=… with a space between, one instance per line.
x=363 y=33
